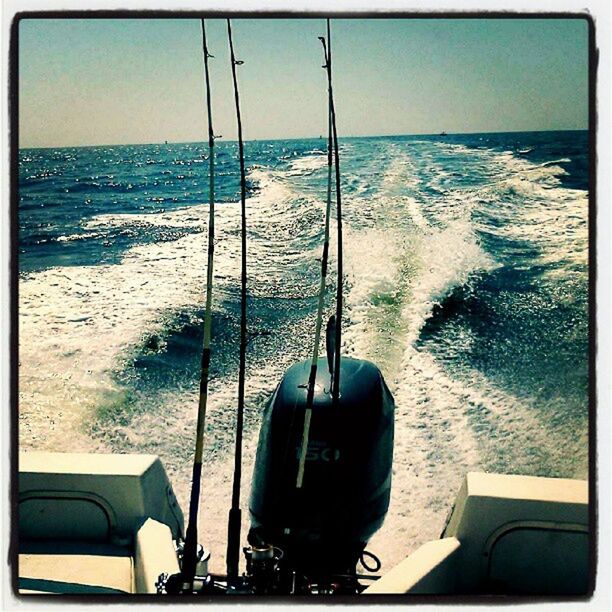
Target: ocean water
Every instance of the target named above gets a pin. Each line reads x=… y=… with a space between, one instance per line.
x=466 y=261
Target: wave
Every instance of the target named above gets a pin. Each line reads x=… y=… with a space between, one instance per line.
x=449 y=257
x=77 y=237
x=109 y=353
x=305 y=166
x=532 y=206
x=506 y=196
x=79 y=323
x=409 y=267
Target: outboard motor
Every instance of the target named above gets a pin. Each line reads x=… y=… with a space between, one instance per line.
x=323 y=526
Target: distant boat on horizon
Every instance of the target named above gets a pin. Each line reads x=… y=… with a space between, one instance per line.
x=442 y=133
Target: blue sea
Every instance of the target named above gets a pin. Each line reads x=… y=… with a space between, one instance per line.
x=466 y=262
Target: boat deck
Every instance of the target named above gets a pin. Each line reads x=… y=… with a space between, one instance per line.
x=75 y=568
x=95 y=524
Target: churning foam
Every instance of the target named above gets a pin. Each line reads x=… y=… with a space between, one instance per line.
x=446 y=426
x=77 y=325
x=548 y=214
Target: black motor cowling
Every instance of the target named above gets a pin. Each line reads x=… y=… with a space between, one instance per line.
x=324 y=525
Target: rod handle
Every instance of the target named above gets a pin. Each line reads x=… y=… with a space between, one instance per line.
x=233 y=542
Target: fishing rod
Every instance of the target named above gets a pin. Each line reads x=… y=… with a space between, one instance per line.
x=191 y=554
x=235 y=513
x=300 y=541
x=332 y=111
x=301 y=537
x=319 y=323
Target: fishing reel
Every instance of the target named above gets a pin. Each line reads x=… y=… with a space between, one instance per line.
x=268 y=571
x=263 y=567
x=180 y=584
x=261 y=577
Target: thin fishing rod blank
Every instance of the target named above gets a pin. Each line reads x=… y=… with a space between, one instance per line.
x=190 y=551
x=332 y=110
x=233 y=528
x=319 y=324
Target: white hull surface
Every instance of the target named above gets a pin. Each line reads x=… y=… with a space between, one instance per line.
x=506 y=534
x=108 y=524
x=95 y=524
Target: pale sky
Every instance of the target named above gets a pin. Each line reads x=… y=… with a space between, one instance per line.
x=124 y=81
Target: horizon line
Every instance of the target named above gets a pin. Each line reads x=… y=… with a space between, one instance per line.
x=320 y=137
